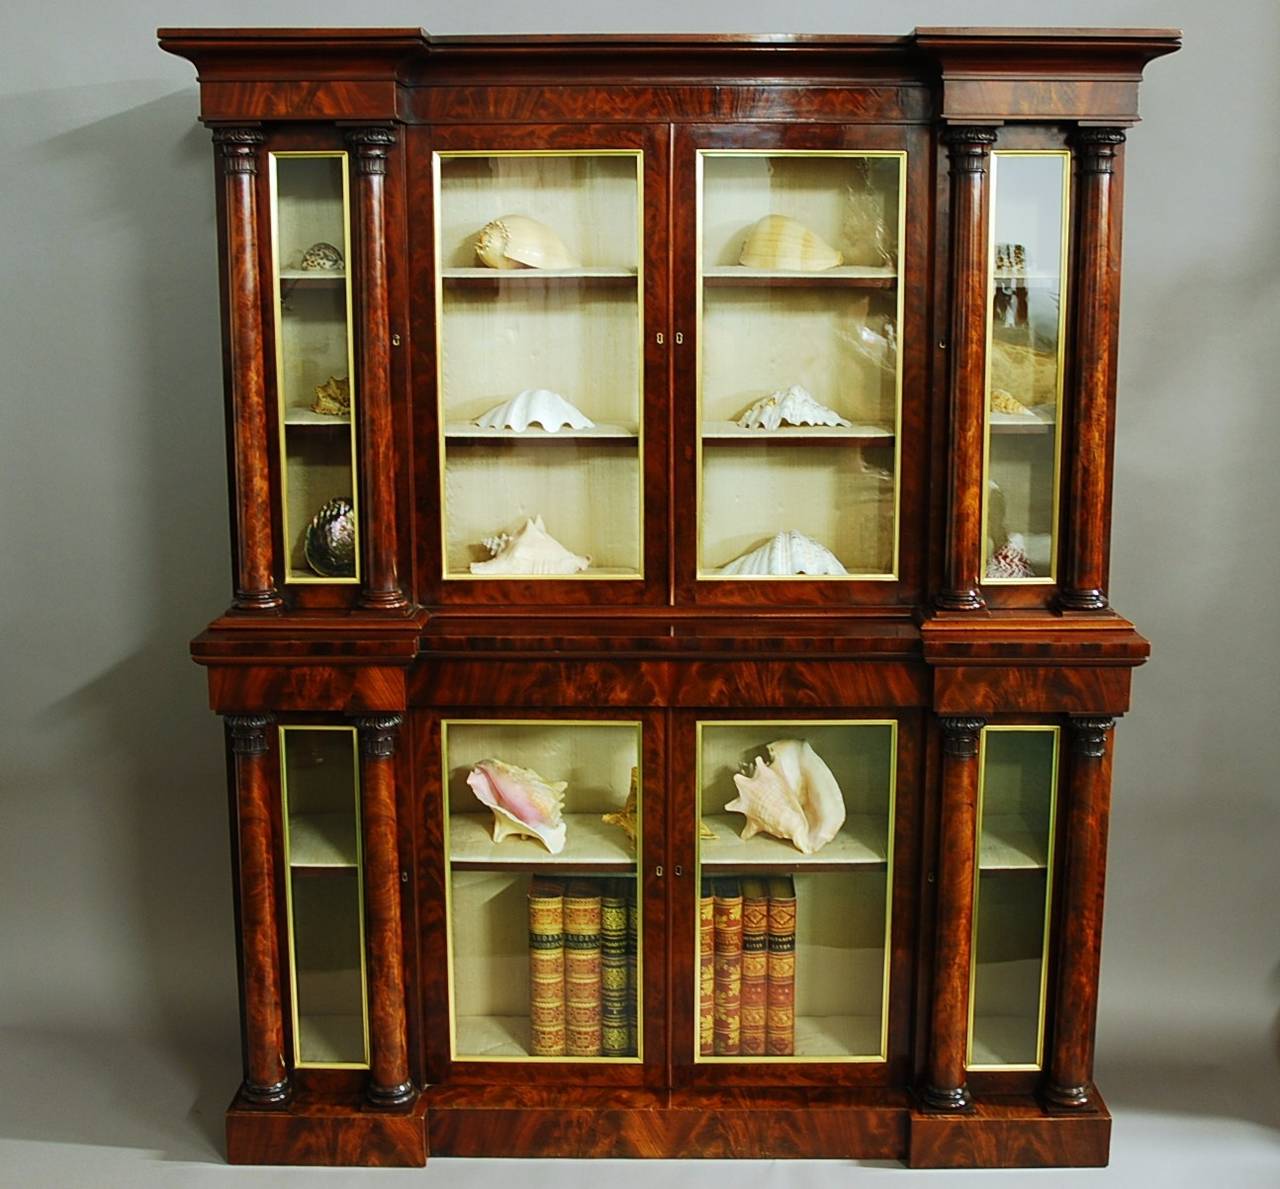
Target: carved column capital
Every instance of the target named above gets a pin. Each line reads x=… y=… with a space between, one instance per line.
x=239 y=147
x=968 y=147
x=378 y=734
x=1096 y=148
x=249 y=733
x=960 y=736
x=371 y=143
x=1089 y=736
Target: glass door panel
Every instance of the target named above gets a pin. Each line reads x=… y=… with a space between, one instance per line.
x=540 y=363
x=799 y=379
x=324 y=895
x=543 y=821
x=1017 y=805
x=315 y=366
x=1029 y=205
x=795 y=876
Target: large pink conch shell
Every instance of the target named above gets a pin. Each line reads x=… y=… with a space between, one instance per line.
x=794 y=796
x=523 y=803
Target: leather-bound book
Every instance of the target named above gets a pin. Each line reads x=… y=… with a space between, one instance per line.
x=728 y=970
x=633 y=980
x=780 y=1038
x=546 y=967
x=614 y=983
x=706 y=969
x=582 y=913
x=755 y=965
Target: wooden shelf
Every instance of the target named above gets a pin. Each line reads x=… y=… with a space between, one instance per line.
x=462 y=431
x=1011 y=278
x=297 y=278
x=331 y=1039
x=315 y=420
x=849 y=276
x=1020 y=423
x=590 y=846
x=534 y=276
x=1010 y=843
x=860 y=843
x=796 y=435
x=322 y=840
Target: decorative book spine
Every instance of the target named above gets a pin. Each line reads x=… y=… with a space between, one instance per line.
x=780 y=1037
x=755 y=965
x=706 y=970
x=728 y=926
x=613 y=969
x=633 y=981
x=546 y=967
x=582 y=968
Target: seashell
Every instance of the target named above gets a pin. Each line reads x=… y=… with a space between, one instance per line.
x=530 y=550
x=790 y=552
x=330 y=541
x=333 y=397
x=794 y=796
x=321 y=257
x=625 y=819
x=779 y=242
x=535 y=406
x=516 y=241
x=1025 y=370
x=1003 y=401
x=795 y=406
x=523 y=803
x=1010 y=560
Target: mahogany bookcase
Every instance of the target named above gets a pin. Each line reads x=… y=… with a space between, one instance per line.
x=923 y=233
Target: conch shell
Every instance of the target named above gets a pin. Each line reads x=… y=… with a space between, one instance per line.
x=794 y=796
x=523 y=803
x=517 y=241
x=779 y=242
x=531 y=550
x=795 y=406
x=788 y=553
x=535 y=406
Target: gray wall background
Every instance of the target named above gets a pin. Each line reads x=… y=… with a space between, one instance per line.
x=115 y=917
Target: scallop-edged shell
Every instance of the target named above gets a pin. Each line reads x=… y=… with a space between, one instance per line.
x=535 y=406
x=779 y=242
x=530 y=550
x=1010 y=560
x=1003 y=401
x=793 y=796
x=794 y=406
x=523 y=803
x=790 y=552
x=517 y=241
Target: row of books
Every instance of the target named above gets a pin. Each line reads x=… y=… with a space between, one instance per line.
x=582 y=967
x=747 y=967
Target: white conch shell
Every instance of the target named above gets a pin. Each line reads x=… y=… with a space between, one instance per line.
x=517 y=241
x=779 y=242
x=794 y=796
x=790 y=552
x=795 y=406
x=530 y=550
x=535 y=406
x=523 y=803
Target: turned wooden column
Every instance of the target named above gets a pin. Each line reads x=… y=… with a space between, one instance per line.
x=255 y=563
x=1069 y=1085
x=380 y=588
x=1097 y=293
x=389 y=1081
x=949 y=1024
x=266 y=1079
x=968 y=149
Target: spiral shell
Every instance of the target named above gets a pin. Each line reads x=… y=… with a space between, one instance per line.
x=330 y=542
x=530 y=550
x=517 y=241
x=523 y=802
x=794 y=796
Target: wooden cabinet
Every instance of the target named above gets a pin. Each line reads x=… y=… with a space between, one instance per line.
x=670 y=677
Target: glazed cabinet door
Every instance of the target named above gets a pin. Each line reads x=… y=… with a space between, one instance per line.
x=792 y=913
x=799 y=265
x=543 y=916
x=544 y=444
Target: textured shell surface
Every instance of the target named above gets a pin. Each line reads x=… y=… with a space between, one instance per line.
x=523 y=802
x=626 y=818
x=778 y=241
x=517 y=241
x=790 y=552
x=321 y=257
x=333 y=397
x=793 y=406
x=535 y=406
x=794 y=796
x=1010 y=560
x=529 y=550
x=330 y=542
x=1003 y=401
